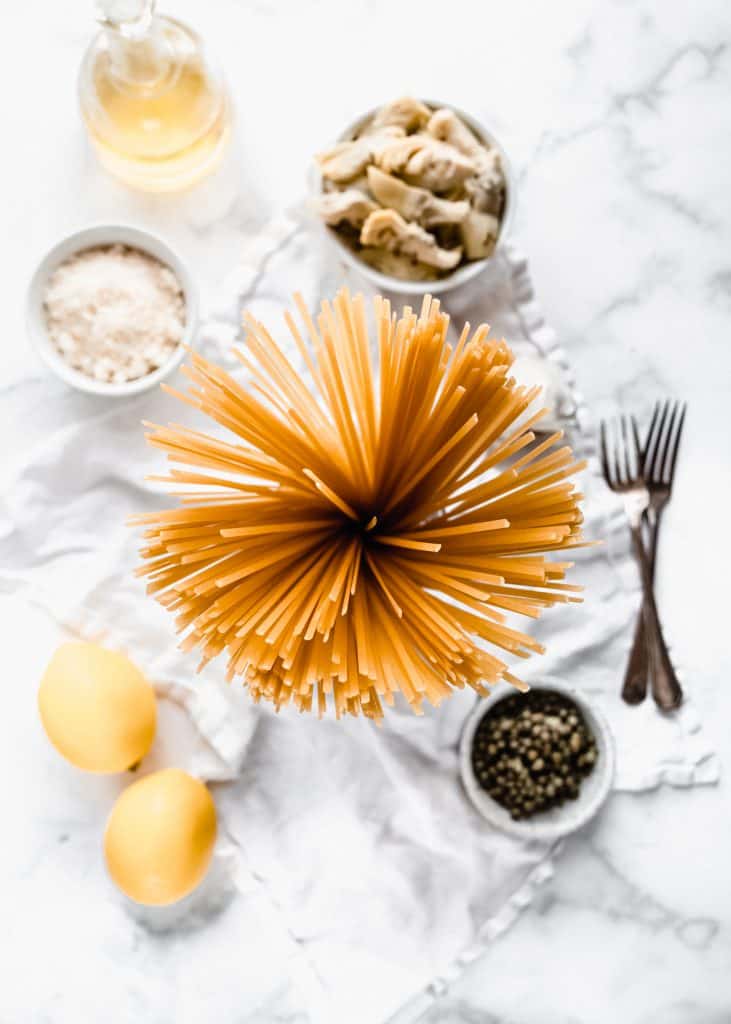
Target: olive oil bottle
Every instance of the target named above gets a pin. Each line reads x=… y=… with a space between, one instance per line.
x=156 y=110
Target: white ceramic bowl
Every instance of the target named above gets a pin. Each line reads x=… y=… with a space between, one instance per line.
x=462 y=274
x=569 y=816
x=106 y=234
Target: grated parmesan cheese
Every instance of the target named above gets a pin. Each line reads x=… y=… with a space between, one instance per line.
x=114 y=312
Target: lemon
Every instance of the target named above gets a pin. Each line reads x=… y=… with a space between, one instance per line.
x=97 y=708
x=160 y=837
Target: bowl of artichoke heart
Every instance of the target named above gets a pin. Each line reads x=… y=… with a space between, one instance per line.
x=537 y=765
x=417 y=196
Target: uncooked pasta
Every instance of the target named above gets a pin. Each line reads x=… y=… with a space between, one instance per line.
x=365 y=526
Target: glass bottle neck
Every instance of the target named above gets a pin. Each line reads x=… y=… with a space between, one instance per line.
x=131 y=17
x=138 y=53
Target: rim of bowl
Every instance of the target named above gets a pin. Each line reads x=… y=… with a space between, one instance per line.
x=567 y=817
x=90 y=237
x=462 y=274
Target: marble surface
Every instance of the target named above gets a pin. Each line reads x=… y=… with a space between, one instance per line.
x=616 y=117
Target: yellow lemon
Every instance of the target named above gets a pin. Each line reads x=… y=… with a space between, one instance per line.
x=160 y=836
x=97 y=708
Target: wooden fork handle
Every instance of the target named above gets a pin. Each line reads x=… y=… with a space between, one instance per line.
x=665 y=686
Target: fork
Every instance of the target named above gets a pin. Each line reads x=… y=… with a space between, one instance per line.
x=659 y=458
x=623 y=475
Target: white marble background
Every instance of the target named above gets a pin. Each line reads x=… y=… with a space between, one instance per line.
x=616 y=115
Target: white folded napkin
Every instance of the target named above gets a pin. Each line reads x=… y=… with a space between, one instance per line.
x=369 y=856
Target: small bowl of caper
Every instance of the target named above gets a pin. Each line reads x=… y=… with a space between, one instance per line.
x=540 y=764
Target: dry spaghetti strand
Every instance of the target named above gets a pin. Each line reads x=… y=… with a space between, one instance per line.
x=365 y=534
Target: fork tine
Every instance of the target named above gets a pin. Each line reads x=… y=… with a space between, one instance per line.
x=605 y=457
x=637 y=446
x=611 y=455
x=673 y=454
x=629 y=469
x=617 y=450
x=667 y=445
x=649 y=440
x=654 y=454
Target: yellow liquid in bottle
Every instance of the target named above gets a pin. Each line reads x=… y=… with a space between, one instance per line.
x=157 y=128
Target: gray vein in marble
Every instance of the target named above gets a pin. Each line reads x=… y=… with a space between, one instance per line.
x=610 y=893
x=652 y=92
x=648 y=95
x=684 y=1011
x=581 y=48
x=461 y=1012
x=247 y=295
x=641 y=166
x=656 y=273
x=719 y=287
x=447 y=1011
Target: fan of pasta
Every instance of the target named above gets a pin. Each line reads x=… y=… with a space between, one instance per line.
x=362 y=534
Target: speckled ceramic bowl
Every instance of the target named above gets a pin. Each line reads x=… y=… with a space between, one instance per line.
x=567 y=817
x=99 y=235
x=462 y=274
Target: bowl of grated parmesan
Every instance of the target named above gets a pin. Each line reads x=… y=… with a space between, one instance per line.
x=111 y=309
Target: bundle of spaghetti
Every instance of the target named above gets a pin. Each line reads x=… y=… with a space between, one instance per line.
x=362 y=529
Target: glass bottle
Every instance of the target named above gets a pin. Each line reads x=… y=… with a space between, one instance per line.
x=156 y=111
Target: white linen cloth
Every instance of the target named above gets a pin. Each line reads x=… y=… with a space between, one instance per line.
x=361 y=839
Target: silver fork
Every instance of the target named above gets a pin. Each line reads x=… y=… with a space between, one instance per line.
x=659 y=458
x=623 y=474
